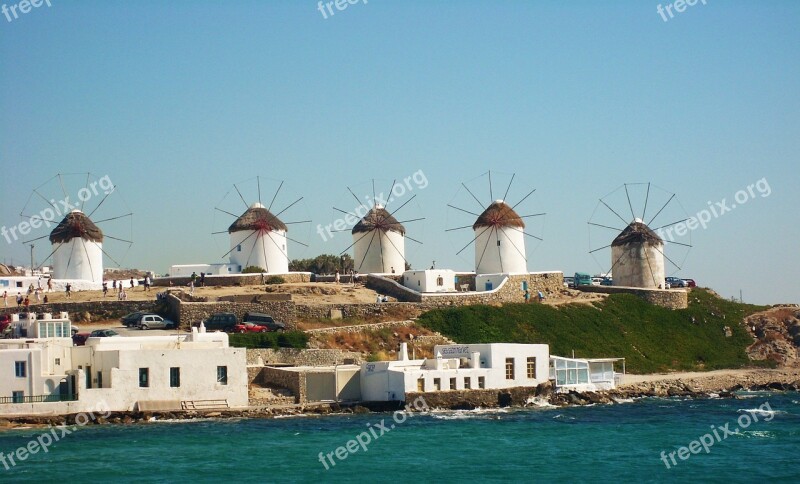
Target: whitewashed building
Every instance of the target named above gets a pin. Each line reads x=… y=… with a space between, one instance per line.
x=379 y=243
x=77 y=249
x=456 y=367
x=430 y=280
x=585 y=374
x=186 y=371
x=499 y=241
x=258 y=238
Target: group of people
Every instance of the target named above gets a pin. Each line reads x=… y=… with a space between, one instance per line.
x=119 y=288
x=527 y=295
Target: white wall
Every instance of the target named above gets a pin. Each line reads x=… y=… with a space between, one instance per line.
x=267 y=250
x=426 y=281
x=185 y=270
x=495 y=279
x=508 y=257
x=78 y=259
x=367 y=256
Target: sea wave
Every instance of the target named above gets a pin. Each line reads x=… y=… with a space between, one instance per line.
x=760 y=411
x=444 y=414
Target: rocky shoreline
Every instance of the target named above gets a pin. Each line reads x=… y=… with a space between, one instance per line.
x=662 y=386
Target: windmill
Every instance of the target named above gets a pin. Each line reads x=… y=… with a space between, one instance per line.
x=637 y=251
x=499 y=231
x=78 y=243
x=378 y=237
x=257 y=236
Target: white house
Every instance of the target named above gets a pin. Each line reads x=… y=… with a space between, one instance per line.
x=431 y=280
x=50 y=376
x=456 y=367
x=218 y=269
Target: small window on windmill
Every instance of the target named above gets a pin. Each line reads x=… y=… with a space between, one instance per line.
x=440 y=281
x=498 y=243
x=239 y=248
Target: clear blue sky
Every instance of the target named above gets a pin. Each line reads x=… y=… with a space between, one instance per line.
x=176 y=101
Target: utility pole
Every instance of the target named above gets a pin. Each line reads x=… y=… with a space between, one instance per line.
x=31 y=259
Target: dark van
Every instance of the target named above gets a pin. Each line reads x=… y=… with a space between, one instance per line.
x=221 y=322
x=263 y=320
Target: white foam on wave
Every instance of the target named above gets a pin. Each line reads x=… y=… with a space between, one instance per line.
x=446 y=414
x=760 y=411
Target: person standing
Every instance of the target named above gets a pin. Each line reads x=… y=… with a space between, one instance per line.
x=527 y=296
x=38 y=293
x=39 y=282
x=69 y=290
x=49 y=284
x=27 y=303
x=105 y=289
x=202 y=279
x=114 y=284
x=131 y=283
x=147 y=282
x=5 y=299
x=337 y=277
x=19 y=300
x=191 y=287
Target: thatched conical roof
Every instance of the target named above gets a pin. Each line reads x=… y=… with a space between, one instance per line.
x=378 y=218
x=499 y=214
x=637 y=232
x=257 y=218
x=76 y=224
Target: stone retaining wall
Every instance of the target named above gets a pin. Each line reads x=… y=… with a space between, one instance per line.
x=84 y=312
x=293 y=381
x=476 y=398
x=298 y=357
x=667 y=298
x=187 y=313
x=232 y=279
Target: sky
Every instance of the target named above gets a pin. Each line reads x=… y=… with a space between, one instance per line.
x=177 y=102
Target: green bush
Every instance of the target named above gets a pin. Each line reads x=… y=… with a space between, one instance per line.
x=253 y=270
x=650 y=338
x=275 y=280
x=281 y=339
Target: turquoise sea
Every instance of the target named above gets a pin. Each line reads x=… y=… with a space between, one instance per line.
x=604 y=443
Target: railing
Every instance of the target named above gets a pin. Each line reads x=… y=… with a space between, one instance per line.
x=39 y=399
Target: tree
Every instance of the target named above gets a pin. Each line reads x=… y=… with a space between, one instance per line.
x=323 y=264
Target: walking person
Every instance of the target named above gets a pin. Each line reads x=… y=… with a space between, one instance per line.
x=19 y=300
x=147 y=282
x=527 y=296
x=49 y=284
x=105 y=288
x=5 y=299
x=191 y=287
x=131 y=283
x=69 y=290
x=202 y=279
x=38 y=293
x=337 y=277
x=27 y=303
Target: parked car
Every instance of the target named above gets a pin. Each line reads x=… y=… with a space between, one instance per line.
x=607 y=281
x=154 y=321
x=132 y=319
x=569 y=281
x=250 y=328
x=79 y=339
x=582 y=279
x=103 y=333
x=674 y=282
x=690 y=283
x=221 y=322
x=262 y=319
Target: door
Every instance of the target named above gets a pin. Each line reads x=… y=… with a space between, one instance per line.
x=488 y=285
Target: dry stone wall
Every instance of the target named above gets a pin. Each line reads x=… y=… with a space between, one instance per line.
x=667 y=298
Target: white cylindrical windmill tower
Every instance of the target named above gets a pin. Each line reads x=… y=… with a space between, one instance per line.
x=77 y=249
x=258 y=238
x=379 y=243
x=500 y=241
x=637 y=257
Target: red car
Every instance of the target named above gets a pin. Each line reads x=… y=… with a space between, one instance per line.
x=250 y=328
x=690 y=283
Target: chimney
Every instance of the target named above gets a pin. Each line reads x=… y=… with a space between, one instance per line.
x=402 y=355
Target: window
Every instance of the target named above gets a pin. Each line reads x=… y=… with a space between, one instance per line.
x=532 y=367
x=481 y=382
x=17 y=397
x=421 y=385
x=239 y=248
x=452 y=383
x=20 y=369
x=222 y=375
x=174 y=377
x=440 y=281
x=58 y=361
x=467 y=383
x=144 y=377
x=437 y=384
x=509 y=368
x=99 y=379
x=88 y=376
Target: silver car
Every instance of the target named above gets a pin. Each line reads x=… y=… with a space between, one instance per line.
x=154 y=321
